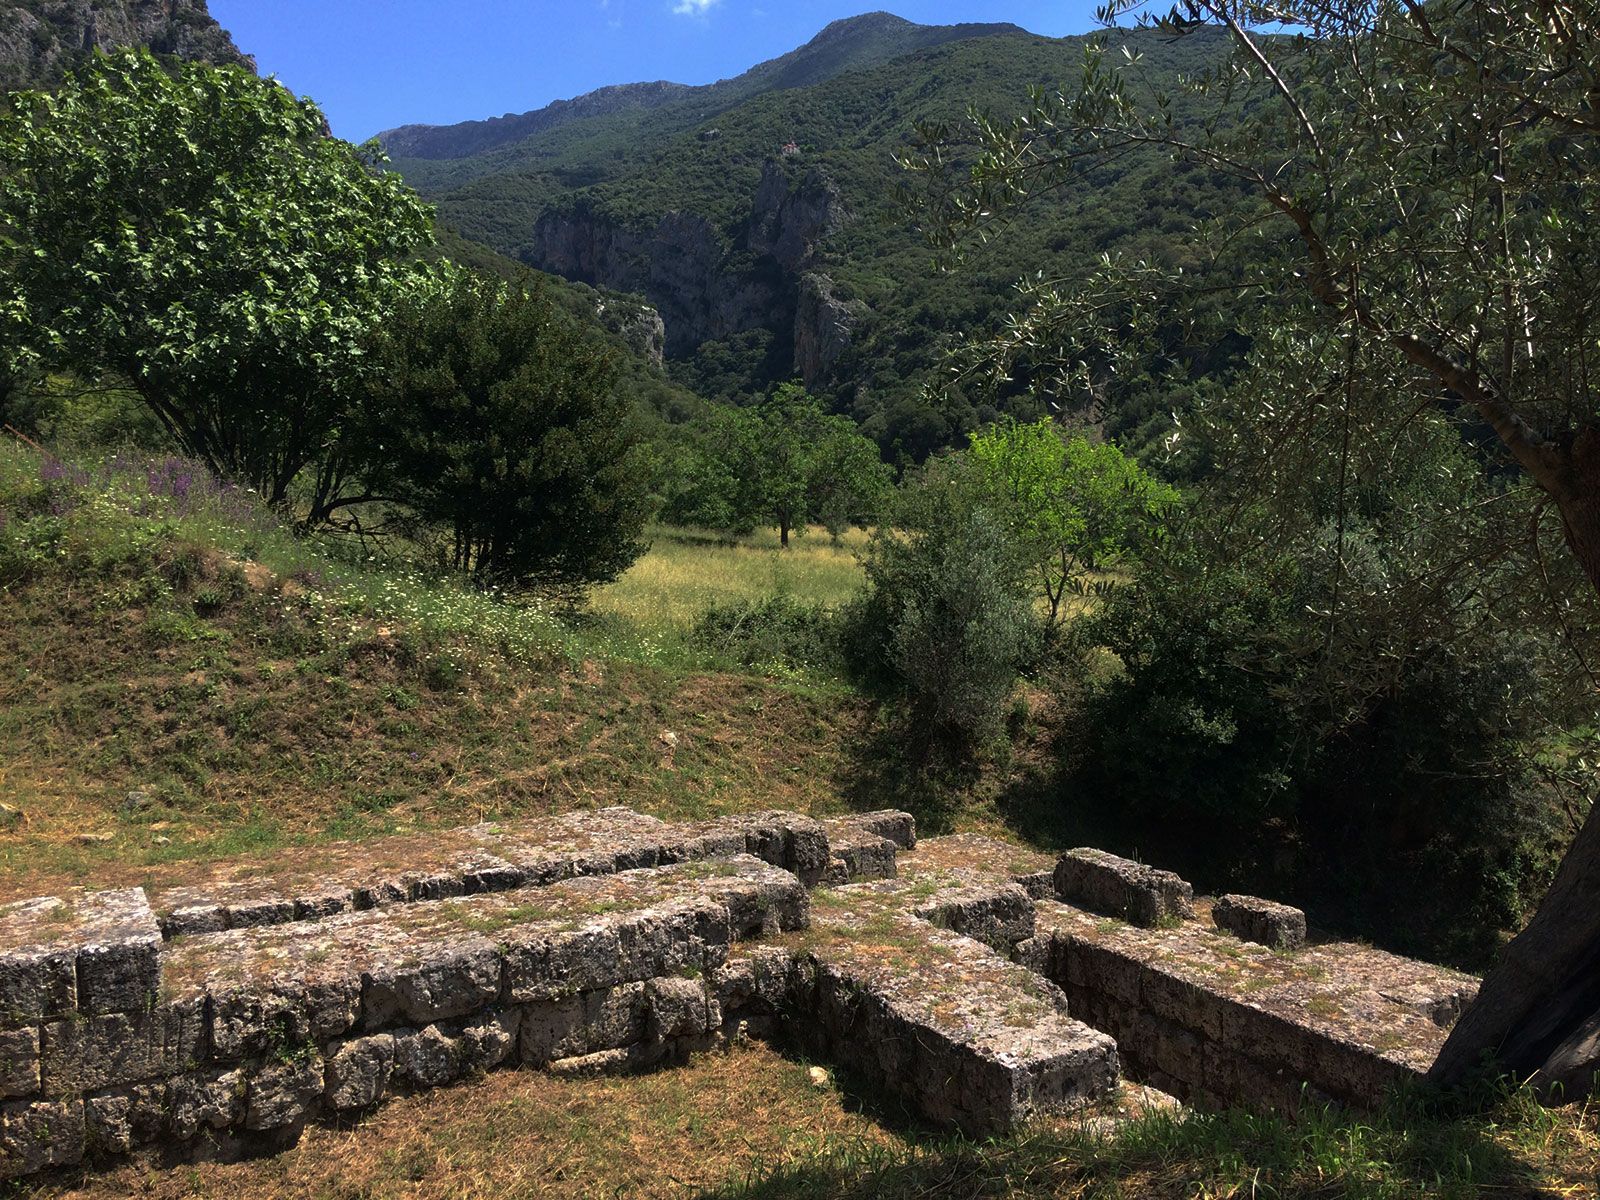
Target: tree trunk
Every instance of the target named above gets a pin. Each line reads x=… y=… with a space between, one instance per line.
x=1537 y=1015
x=783 y=534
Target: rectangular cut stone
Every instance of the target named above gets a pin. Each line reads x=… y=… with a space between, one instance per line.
x=857 y=853
x=83 y=1054
x=19 y=1062
x=1256 y=920
x=972 y=1040
x=119 y=968
x=899 y=827
x=341 y=877
x=1122 y=888
x=38 y=959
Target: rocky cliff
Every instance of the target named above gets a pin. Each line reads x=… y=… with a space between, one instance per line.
x=708 y=283
x=39 y=39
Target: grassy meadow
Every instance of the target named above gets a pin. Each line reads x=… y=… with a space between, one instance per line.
x=687 y=571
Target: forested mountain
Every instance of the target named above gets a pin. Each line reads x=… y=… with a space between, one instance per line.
x=759 y=215
x=41 y=38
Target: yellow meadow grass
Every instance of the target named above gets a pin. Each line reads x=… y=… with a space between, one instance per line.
x=686 y=571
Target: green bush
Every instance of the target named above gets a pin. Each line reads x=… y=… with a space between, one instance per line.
x=776 y=631
x=1386 y=784
x=945 y=624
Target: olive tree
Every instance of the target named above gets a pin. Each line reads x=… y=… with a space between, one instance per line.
x=194 y=231
x=1427 y=178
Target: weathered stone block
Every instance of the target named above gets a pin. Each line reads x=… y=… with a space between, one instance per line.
x=358 y=1072
x=38 y=959
x=446 y=984
x=428 y=1058
x=250 y=1021
x=38 y=1134
x=122 y=1121
x=118 y=966
x=676 y=1008
x=899 y=827
x=1256 y=920
x=86 y=1054
x=207 y=1101
x=1122 y=888
x=284 y=1094
x=19 y=1063
x=492 y=1041
x=857 y=854
x=998 y=915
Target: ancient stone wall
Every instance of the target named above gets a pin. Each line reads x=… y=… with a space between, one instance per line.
x=224 y=1007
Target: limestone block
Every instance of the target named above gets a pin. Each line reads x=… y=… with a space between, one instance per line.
x=492 y=1041
x=358 y=1072
x=899 y=827
x=445 y=984
x=1255 y=920
x=1122 y=888
x=613 y=1017
x=428 y=1058
x=676 y=1008
x=38 y=960
x=257 y=1020
x=85 y=1054
x=283 y=1094
x=19 y=1062
x=1000 y=915
x=40 y=1133
x=857 y=854
x=119 y=966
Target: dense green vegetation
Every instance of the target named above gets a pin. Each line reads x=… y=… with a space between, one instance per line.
x=634 y=166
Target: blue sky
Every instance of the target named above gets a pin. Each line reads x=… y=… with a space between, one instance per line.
x=374 y=64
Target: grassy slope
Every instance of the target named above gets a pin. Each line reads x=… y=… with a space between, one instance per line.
x=262 y=692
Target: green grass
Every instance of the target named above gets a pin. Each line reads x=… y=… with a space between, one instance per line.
x=265 y=691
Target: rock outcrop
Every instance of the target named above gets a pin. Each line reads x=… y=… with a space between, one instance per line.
x=40 y=40
x=707 y=283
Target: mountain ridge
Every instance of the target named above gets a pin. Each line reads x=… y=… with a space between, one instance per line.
x=850 y=43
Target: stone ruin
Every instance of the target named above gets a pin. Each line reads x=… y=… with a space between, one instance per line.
x=217 y=1011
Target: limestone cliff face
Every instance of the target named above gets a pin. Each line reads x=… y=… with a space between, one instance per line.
x=823 y=326
x=39 y=39
x=708 y=283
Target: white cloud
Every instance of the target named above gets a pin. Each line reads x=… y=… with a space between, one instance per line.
x=693 y=8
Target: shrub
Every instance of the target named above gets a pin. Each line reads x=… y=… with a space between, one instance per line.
x=1386 y=783
x=776 y=631
x=946 y=622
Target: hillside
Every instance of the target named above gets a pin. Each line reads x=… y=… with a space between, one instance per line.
x=760 y=217
x=41 y=38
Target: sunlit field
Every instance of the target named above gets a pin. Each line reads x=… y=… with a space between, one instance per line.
x=686 y=571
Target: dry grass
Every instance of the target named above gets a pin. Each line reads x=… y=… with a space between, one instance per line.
x=517 y=1134
x=685 y=572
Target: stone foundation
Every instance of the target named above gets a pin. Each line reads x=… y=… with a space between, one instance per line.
x=228 y=1006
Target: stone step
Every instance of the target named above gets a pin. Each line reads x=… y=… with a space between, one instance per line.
x=968 y=1038
x=495 y=856
x=1209 y=1017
